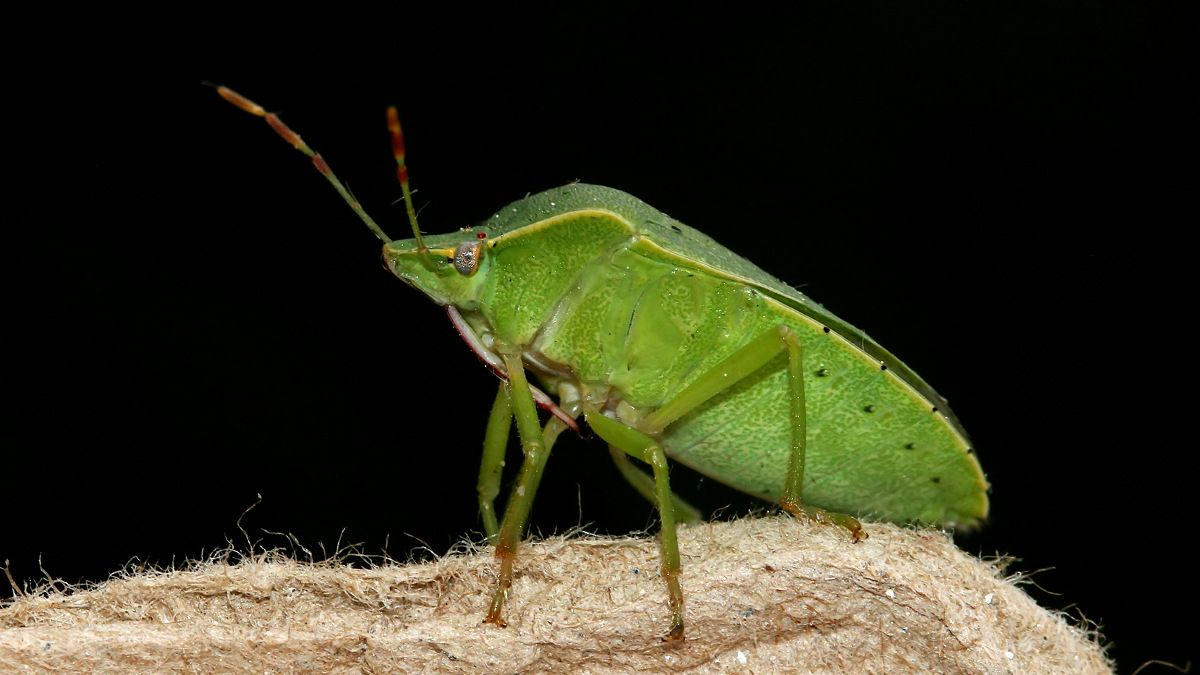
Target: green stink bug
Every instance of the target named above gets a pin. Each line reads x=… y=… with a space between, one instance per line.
x=670 y=345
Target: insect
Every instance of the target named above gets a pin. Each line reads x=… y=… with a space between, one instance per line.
x=670 y=345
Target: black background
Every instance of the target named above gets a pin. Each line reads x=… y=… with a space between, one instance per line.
x=194 y=317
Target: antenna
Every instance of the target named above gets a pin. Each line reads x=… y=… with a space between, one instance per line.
x=296 y=142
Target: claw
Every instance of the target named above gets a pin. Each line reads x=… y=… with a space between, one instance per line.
x=819 y=515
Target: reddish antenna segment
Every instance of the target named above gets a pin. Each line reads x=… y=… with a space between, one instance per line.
x=318 y=161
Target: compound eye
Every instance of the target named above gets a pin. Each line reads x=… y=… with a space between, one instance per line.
x=467 y=257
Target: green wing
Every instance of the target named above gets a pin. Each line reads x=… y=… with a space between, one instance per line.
x=688 y=247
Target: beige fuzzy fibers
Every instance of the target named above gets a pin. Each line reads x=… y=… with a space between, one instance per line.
x=763 y=595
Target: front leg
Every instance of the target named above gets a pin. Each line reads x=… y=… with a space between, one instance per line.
x=535 y=444
x=491 y=466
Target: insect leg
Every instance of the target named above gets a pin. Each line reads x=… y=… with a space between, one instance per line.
x=644 y=484
x=742 y=363
x=637 y=444
x=536 y=445
x=790 y=501
x=495 y=441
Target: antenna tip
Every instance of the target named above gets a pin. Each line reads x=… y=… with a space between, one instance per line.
x=241 y=101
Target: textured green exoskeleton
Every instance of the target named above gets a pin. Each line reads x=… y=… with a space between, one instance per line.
x=670 y=345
